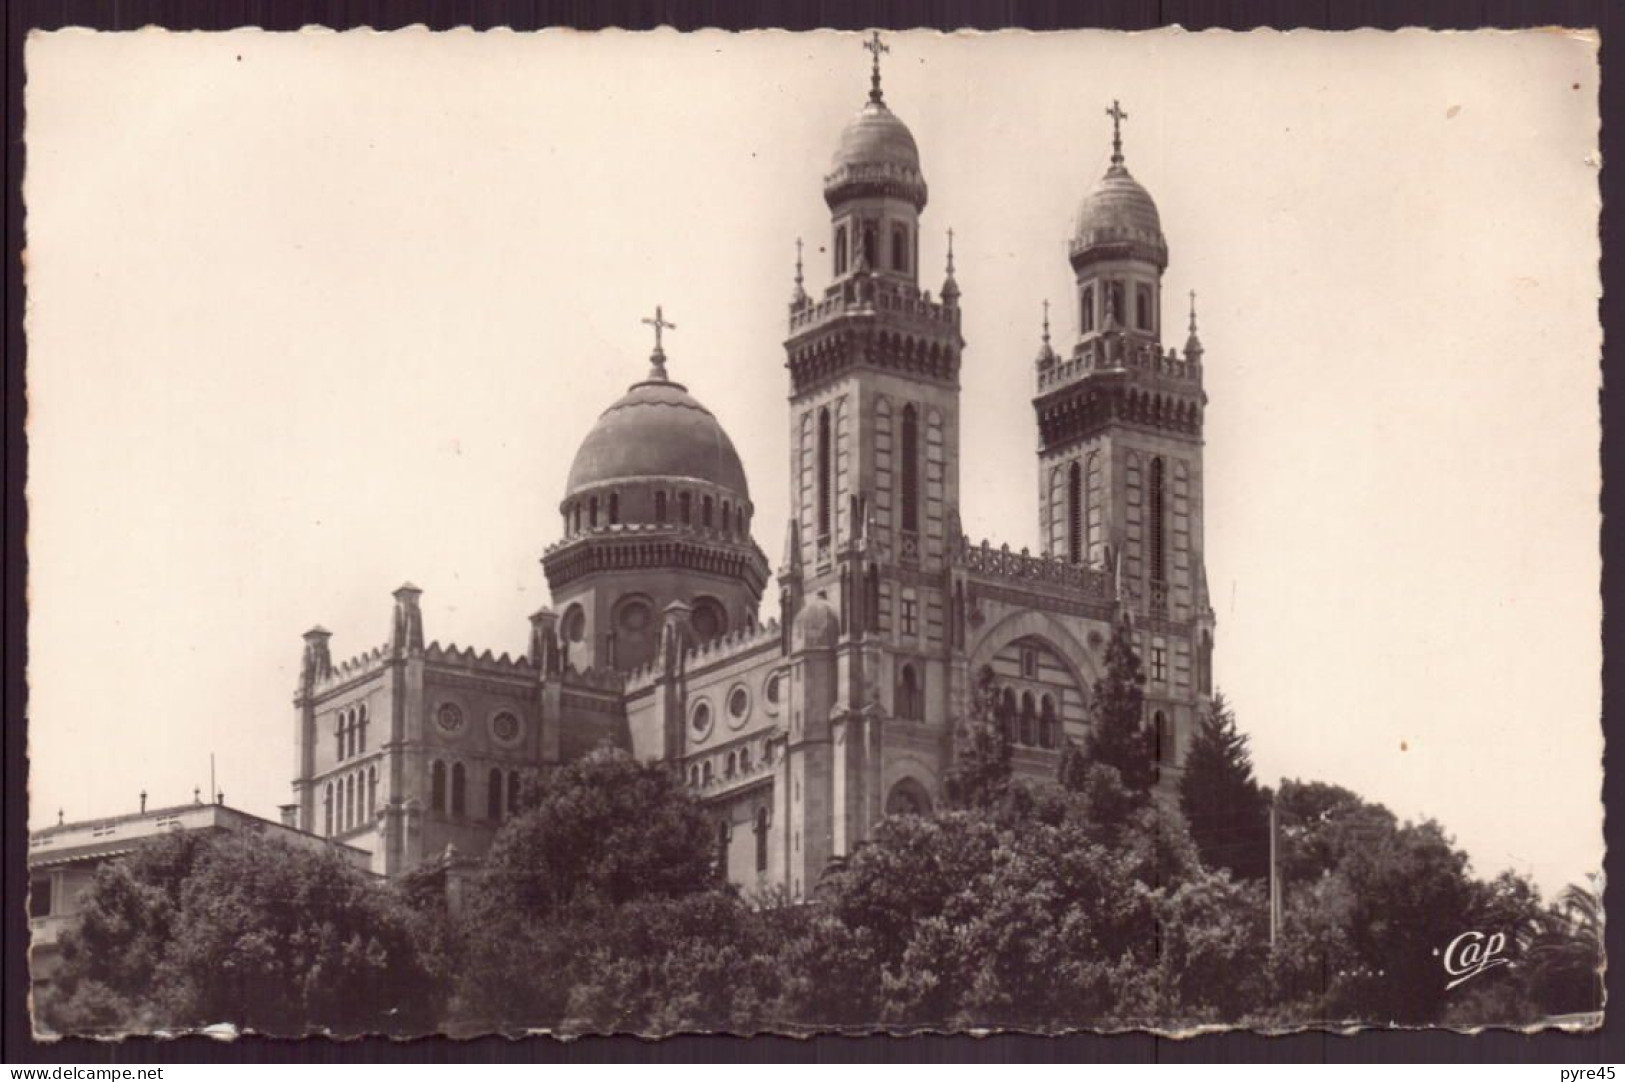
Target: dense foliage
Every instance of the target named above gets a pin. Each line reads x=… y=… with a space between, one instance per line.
x=1227 y=811
x=194 y=930
x=1080 y=903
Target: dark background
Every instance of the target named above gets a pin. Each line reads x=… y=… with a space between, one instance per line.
x=16 y=1043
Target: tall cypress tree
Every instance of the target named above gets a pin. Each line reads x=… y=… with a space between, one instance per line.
x=1227 y=811
x=1117 y=735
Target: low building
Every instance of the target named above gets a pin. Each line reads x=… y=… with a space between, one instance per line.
x=62 y=863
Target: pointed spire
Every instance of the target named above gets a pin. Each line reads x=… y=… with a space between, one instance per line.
x=876 y=47
x=799 y=297
x=657 y=359
x=1118 y=116
x=950 y=288
x=1193 y=344
x=1046 y=324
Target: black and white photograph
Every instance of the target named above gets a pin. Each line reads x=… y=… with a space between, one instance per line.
x=651 y=533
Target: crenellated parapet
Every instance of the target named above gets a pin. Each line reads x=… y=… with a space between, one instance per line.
x=740 y=641
x=351 y=669
x=1046 y=573
x=1101 y=355
x=478 y=660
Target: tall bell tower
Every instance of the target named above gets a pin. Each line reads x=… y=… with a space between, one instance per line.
x=874 y=463
x=1120 y=445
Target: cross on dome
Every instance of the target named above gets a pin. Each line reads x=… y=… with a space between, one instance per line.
x=876 y=46
x=1118 y=116
x=657 y=359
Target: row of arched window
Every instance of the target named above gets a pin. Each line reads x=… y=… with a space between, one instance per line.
x=735 y=763
x=682 y=507
x=350 y=732
x=901 y=248
x=350 y=802
x=1112 y=306
x=1028 y=720
x=908 y=453
x=448 y=791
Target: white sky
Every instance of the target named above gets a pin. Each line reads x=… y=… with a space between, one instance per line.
x=312 y=315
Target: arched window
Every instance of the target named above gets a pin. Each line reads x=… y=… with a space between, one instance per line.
x=660 y=507
x=727 y=517
x=694 y=775
x=1087 y=314
x=871 y=246
x=493 y=795
x=592 y=512
x=437 y=786
x=349 y=802
x=899 y=249
x=1074 y=513
x=823 y=472
x=513 y=792
x=1046 y=722
x=909 y=453
x=327 y=810
x=739 y=521
x=733 y=764
x=338 y=737
x=705 y=512
x=1142 y=307
x=909 y=699
x=614 y=508
x=577 y=510
x=459 y=790
x=761 y=840
x=372 y=793
x=685 y=508
x=1164 y=737
x=1158 y=556
x=1029 y=719
x=1114 y=303
x=744 y=760
x=705 y=772
x=840 y=249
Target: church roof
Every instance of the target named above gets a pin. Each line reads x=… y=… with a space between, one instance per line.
x=657 y=429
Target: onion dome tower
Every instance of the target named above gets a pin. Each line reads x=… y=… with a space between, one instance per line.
x=656 y=510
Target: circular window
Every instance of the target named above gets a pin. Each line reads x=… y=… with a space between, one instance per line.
x=709 y=620
x=505 y=726
x=575 y=624
x=449 y=717
x=634 y=615
x=738 y=706
x=700 y=720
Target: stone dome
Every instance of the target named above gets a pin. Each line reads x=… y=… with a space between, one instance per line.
x=1119 y=211
x=657 y=429
x=817 y=625
x=876 y=137
x=876 y=156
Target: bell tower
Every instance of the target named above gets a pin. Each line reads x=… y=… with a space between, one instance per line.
x=1120 y=443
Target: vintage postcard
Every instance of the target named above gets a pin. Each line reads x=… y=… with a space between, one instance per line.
x=876 y=532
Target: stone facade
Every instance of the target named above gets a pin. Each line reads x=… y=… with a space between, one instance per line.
x=801 y=732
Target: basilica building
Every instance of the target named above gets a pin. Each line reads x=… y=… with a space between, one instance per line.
x=802 y=727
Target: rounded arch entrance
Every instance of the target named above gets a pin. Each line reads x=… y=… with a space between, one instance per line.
x=908 y=797
x=1042 y=676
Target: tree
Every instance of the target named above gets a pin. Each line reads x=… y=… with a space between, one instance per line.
x=1117 y=732
x=241 y=928
x=1227 y=811
x=980 y=774
x=612 y=851
x=1566 y=954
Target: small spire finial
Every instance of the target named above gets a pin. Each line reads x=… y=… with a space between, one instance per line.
x=1193 y=311
x=657 y=359
x=1118 y=116
x=876 y=47
x=950 y=251
x=1046 y=323
x=59 y=817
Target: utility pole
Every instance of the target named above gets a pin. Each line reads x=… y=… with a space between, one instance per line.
x=1275 y=870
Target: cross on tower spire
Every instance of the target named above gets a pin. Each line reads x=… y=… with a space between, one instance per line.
x=657 y=359
x=1118 y=116
x=876 y=46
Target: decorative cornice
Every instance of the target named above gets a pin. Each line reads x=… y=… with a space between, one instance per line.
x=706 y=553
x=1084 y=409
